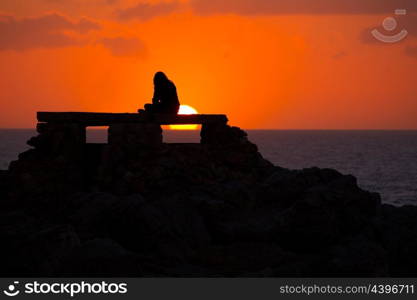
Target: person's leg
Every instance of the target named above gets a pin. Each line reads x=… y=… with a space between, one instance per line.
x=176 y=109
x=149 y=107
x=167 y=110
x=158 y=108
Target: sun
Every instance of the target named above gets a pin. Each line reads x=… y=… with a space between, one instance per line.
x=185 y=110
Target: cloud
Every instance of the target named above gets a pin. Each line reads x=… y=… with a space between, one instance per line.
x=98 y=2
x=55 y=31
x=275 y=7
x=146 y=11
x=120 y=46
x=48 y=31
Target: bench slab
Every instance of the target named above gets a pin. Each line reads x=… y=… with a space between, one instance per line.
x=105 y=119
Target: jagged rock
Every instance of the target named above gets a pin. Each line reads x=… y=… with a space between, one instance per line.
x=325 y=212
x=398 y=233
x=92 y=214
x=139 y=207
x=358 y=256
x=38 y=252
x=100 y=258
x=4 y=188
x=242 y=259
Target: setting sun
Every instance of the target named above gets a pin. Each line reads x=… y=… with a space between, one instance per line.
x=185 y=110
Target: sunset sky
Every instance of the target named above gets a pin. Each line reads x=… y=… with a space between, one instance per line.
x=267 y=64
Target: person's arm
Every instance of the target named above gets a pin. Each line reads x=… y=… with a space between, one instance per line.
x=156 y=97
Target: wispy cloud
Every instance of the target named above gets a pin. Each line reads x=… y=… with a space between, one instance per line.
x=273 y=7
x=146 y=11
x=47 y=31
x=120 y=46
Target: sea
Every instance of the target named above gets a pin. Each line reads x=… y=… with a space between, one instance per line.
x=383 y=161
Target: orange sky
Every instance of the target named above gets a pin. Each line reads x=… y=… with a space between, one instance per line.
x=284 y=64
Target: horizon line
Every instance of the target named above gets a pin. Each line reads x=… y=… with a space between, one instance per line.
x=264 y=129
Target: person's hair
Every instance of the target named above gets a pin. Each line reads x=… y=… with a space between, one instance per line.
x=159 y=78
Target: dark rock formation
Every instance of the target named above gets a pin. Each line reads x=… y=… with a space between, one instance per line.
x=139 y=207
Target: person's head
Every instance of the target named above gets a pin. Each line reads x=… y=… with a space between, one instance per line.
x=159 y=78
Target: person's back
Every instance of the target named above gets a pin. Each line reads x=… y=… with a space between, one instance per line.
x=165 y=98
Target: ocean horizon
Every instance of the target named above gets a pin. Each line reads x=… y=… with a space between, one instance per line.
x=383 y=161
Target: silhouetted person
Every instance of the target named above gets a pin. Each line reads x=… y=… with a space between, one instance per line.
x=165 y=98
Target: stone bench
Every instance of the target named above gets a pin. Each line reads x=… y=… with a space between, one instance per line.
x=106 y=119
x=134 y=145
x=65 y=132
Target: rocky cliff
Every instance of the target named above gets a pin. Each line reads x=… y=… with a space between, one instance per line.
x=139 y=207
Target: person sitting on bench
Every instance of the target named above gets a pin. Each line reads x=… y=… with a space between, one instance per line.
x=165 y=98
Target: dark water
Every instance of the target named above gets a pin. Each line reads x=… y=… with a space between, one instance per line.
x=383 y=161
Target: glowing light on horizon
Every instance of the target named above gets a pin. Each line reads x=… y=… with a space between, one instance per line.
x=185 y=110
